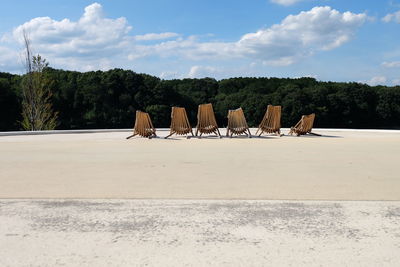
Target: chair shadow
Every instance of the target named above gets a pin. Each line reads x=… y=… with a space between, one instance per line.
x=237 y=137
x=331 y=136
x=208 y=137
x=314 y=136
x=266 y=137
x=178 y=138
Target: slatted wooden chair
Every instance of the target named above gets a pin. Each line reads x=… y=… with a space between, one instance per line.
x=206 y=122
x=304 y=126
x=143 y=126
x=271 y=123
x=179 y=122
x=237 y=123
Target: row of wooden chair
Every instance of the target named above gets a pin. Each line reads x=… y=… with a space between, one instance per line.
x=207 y=124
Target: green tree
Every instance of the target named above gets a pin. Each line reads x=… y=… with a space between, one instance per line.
x=37 y=110
x=9 y=104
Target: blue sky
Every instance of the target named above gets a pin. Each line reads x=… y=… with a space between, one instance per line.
x=331 y=40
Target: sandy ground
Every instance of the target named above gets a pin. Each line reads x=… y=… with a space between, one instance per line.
x=341 y=165
x=198 y=233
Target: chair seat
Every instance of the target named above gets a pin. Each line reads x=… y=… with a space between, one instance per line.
x=304 y=126
x=237 y=122
x=206 y=122
x=179 y=122
x=143 y=125
x=271 y=123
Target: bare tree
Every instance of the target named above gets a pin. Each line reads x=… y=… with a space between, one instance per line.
x=37 y=110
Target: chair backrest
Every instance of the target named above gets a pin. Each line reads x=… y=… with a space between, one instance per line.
x=143 y=125
x=179 y=121
x=206 y=122
x=272 y=118
x=237 y=121
x=306 y=123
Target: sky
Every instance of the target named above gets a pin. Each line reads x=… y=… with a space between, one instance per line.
x=330 y=40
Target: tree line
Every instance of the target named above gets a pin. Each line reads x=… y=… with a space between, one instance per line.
x=109 y=99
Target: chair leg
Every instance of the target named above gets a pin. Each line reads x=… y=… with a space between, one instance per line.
x=219 y=134
x=169 y=135
x=131 y=136
x=188 y=137
x=249 y=133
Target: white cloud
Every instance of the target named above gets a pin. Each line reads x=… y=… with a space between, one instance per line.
x=90 y=43
x=96 y=42
x=396 y=82
x=391 y=64
x=307 y=76
x=286 y=2
x=169 y=75
x=376 y=80
x=321 y=28
x=281 y=62
x=395 y=17
x=203 y=71
x=297 y=36
x=223 y=72
x=92 y=36
x=10 y=60
x=156 y=36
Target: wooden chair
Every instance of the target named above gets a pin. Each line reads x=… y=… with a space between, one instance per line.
x=237 y=123
x=143 y=126
x=179 y=122
x=304 y=126
x=206 y=122
x=271 y=123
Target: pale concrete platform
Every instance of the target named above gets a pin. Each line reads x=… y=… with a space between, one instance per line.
x=64 y=226
x=198 y=233
x=339 y=165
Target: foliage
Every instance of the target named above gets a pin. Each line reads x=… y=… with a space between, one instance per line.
x=110 y=99
x=9 y=102
x=37 y=112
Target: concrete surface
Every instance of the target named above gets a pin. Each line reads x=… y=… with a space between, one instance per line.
x=198 y=233
x=340 y=165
